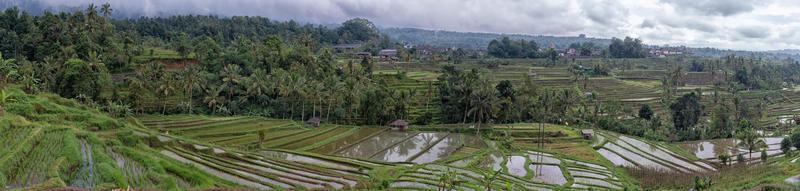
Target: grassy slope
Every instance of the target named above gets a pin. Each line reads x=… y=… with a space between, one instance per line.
x=62 y=134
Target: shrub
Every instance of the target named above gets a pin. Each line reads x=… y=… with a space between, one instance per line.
x=764 y=156
x=740 y=158
x=795 y=140
x=786 y=146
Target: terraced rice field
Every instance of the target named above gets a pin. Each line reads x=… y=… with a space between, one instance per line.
x=335 y=157
x=629 y=152
x=243 y=132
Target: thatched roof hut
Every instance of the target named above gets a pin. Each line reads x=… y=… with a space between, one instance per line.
x=399 y=124
x=314 y=122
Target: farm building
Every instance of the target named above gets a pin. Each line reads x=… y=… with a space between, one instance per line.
x=587 y=133
x=313 y=122
x=362 y=55
x=399 y=124
x=388 y=54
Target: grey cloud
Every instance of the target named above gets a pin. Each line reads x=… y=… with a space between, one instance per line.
x=604 y=12
x=647 y=23
x=688 y=23
x=753 y=31
x=715 y=7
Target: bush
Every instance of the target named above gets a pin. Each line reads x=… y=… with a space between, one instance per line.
x=786 y=146
x=740 y=158
x=2 y=180
x=795 y=140
x=764 y=156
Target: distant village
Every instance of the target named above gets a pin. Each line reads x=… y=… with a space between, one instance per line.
x=356 y=51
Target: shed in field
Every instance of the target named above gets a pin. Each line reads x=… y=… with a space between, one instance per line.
x=314 y=122
x=587 y=133
x=399 y=124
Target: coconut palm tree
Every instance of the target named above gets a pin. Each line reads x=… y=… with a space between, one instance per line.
x=190 y=82
x=231 y=77
x=213 y=99
x=106 y=9
x=483 y=102
x=257 y=85
x=749 y=138
x=166 y=89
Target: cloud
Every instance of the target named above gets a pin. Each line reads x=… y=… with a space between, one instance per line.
x=735 y=24
x=753 y=31
x=647 y=23
x=715 y=7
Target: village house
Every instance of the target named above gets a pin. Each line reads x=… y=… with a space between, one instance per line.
x=388 y=54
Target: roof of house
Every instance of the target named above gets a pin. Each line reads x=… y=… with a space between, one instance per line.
x=587 y=131
x=314 y=120
x=398 y=123
x=387 y=52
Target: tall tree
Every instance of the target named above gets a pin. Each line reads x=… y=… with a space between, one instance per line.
x=686 y=111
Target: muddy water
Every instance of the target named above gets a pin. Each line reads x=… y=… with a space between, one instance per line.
x=360 y=134
x=374 y=144
x=550 y=174
x=442 y=149
x=405 y=150
x=516 y=166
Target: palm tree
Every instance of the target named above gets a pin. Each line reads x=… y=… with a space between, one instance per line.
x=257 y=85
x=748 y=137
x=106 y=9
x=231 y=77
x=483 y=103
x=166 y=89
x=332 y=87
x=190 y=82
x=212 y=99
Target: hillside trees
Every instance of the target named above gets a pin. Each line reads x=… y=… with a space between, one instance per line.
x=357 y=30
x=508 y=48
x=627 y=48
x=686 y=111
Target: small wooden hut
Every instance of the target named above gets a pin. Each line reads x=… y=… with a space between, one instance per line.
x=587 y=134
x=314 y=122
x=399 y=124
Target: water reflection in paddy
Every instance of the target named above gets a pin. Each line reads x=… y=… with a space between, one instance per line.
x=516 y=166
x=374 y=144
x=441 y=149
x=550 y=174
x=405 y=150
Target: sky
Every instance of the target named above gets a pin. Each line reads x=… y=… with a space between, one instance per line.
x=727 y=24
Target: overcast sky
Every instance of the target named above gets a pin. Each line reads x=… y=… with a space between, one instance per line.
x=734 y=24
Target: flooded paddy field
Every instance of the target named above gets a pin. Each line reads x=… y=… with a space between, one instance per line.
x=269 y=154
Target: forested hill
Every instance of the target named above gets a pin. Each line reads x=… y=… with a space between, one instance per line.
x=470 y=40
